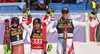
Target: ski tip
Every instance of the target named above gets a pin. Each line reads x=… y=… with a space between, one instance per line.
x=6 y=20
x=44 y=24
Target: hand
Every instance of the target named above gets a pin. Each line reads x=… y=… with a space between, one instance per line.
x=50 y=11
x=9 y=52
x=28 y=11
x=24 y=10
x=94 y=11
x=50 y=47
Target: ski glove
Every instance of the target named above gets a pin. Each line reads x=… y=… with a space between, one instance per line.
x=9 y=52
x=50 y=47
x=24 y=10
x=28 y=12
x=93 y=12
x=50 y=11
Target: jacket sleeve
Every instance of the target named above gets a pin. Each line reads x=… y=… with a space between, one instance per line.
x=25 y=25
x=49 y=23
x=28 y=22
x=77 y=23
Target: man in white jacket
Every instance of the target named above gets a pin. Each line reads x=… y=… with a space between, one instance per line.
x=35 y=33
x=71 y=24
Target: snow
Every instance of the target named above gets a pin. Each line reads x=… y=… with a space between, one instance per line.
x=86 y=48
x=79 y=47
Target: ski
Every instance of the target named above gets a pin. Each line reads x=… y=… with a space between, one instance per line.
x=65 y=38
x=44 y=26
x=7 y=34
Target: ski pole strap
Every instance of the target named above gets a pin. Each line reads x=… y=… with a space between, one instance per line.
x=45 y=42
x=63 y=37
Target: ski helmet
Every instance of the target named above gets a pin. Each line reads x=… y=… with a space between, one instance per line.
x=65 y=9
x=15 y=19
x=37 y=20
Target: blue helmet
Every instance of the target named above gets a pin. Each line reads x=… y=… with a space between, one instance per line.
x=15 y=19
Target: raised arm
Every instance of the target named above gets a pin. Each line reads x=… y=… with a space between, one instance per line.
x=29 y=19
x=50 y=12
x=50 y=24
x=77 y=23
x=25 y=24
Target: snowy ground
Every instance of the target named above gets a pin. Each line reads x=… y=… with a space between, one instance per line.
x=80 y=48
x=86 y=48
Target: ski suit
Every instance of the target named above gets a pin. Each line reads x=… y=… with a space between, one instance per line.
x=71 y=24
x=36 y=36
x=16 y=38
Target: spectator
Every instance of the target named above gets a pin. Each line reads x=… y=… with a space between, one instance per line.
x=38 y=7
x=89 y=1
x=2 y=1
x=47 y=2
x=19 y=0
x=12 y=0
x=32 y=5
x=98 y=6
x=70 y=1
x=35 y=6
x=94 y=0
x=32 y=1
x=56 y=1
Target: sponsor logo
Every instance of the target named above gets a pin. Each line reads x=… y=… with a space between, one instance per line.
x=13 y=33
x=36 y=35
x=62 y=25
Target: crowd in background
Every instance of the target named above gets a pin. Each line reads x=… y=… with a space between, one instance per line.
x=34 y=5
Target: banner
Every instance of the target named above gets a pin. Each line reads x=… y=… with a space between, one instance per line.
x=52 y=35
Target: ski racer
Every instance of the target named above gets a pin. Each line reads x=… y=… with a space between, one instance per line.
x=71 y=24
x=16 y=37
x=35 y=33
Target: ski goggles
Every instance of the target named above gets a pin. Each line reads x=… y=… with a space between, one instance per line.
x=65 y=12
x=15 y=21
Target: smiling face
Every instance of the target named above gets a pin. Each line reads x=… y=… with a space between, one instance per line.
x=65 y=14
x=36 y=26
x=14 y=24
